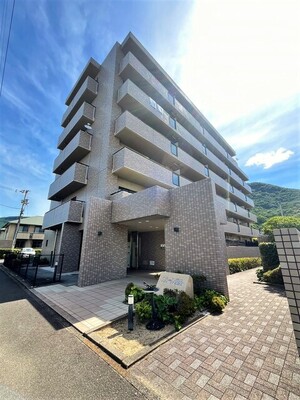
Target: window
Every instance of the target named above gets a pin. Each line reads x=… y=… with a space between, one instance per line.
x=204 y=148
x=172 y=122
x=206 y=170
x=152 y=102
x=175 y=179
x=231 y=189
x=171 y=99
x=23 y=228
x=38 y=229
x=174 y=148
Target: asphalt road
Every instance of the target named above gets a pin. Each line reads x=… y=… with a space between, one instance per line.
x=41 y=359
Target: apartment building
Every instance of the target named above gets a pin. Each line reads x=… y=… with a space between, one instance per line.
x=143 y=180
x=30 y=233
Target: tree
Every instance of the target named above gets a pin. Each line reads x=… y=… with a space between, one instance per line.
x=280 y=222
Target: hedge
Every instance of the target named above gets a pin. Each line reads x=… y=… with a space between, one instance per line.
x=273 y=276
x=269 y=256
x=16 y=251
x=242 y=264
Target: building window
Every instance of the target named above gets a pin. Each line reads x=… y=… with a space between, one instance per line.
x=23 y=228
x=231 y=189
x=47 y=242
x=174 y=149
x=38 y=229
x=175 y=179
x=171 y=99
x=206 y=170
x=204 y=148
x=172 y=122
x=152 y=102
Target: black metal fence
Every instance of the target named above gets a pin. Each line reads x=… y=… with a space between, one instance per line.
x=37 y=270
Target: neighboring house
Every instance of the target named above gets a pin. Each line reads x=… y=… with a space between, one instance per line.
x=142 y=178
x=30 y=233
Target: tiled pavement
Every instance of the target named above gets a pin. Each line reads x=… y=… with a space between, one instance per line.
x=89 y=307
x=248 y=352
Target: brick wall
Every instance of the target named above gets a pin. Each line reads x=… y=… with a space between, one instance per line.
x=151 y=249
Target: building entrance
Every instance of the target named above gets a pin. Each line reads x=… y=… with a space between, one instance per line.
x=134 y=250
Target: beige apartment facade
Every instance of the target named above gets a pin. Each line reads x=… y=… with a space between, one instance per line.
x=30 y=233
x=143 y=180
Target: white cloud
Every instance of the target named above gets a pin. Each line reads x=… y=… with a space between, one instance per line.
x=270 y=158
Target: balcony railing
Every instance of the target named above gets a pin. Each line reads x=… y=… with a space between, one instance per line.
x=85 y=114
x=70 y=211
x=240 y=230
x=87 y=92
x=70 y=181
x=132 y=166
x=78 y=148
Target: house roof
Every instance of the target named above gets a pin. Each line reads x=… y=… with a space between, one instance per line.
x=37 y=220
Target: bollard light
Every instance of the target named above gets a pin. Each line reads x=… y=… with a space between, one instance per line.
x=130 y=312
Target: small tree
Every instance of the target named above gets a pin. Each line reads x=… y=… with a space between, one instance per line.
x=280 y=222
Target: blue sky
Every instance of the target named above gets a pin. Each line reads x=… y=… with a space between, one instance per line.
x=238 y=62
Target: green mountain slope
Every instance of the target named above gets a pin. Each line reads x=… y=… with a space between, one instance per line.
x=270 y=200
x=4 y=220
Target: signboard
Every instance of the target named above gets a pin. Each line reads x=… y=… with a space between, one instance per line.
x=171 y=280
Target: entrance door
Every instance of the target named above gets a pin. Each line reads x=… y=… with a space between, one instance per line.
x=133 y=250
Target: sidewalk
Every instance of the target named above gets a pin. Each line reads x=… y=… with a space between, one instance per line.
x=248 y=352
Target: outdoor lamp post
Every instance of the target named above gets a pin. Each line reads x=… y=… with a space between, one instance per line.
x=130 y=312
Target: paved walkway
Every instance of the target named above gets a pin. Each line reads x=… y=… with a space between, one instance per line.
x=90 y=307
x=248 y=352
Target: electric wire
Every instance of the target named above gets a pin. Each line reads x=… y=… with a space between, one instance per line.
x=6 y=51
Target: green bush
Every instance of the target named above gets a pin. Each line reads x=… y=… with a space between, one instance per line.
x=217 y=304
x=199 y=302
x=7 y=251
x=273 y=276
x=214 y=301
x=260 y=274
x=269 y=256
x=242 y=264
x=166 y=306
x=143 y=310
x=137 y=292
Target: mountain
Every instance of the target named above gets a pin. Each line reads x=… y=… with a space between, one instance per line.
x=271 y=201
x=4 y=220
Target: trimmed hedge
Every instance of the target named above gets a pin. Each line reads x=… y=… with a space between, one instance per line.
x=269 y=256
x=273 y=276
x=242 y=264
x=6 y=251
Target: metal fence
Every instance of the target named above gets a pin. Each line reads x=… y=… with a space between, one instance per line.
x=37 y=270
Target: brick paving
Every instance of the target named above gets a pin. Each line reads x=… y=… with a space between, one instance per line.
x=248 y=352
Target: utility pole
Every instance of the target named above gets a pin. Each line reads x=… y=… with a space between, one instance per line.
x=24 y=203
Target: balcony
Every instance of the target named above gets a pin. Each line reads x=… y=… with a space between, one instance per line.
x=70 y=211
x=85 y=114
x=78 y=148
x=152 y=202
x=70 y=181
x=132 y=69
x=137 y=135
x=87 y=92
x=240 y=230
x=91 y=69
x=129 y=165
x=237 y=212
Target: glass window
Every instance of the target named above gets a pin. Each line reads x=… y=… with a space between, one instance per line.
x=172 y=122
x=174 y=149
x=38 y=229
x=206 y=170
x=23 y=228
x=204 y=148
x=171 y=98
x=175 y=179
x=152 y=102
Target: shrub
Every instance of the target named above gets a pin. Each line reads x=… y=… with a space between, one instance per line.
x=269 y=256
x=5 y=251
x=242 y=264
x=199 y=302
x=214 y=301
x=273 y=276
x=137 y=292
x=143 y=310
x=217 y=304
x=185 y=306
x=260 y=274
x=166 y=306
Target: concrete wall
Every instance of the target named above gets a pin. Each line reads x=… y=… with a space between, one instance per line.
x=198 y=247
x=103 y=257
x=151 y=249
x=242 y=251
x=288 y=248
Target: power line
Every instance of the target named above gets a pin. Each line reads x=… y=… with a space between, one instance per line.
x=15 y=208
x=6 y=51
